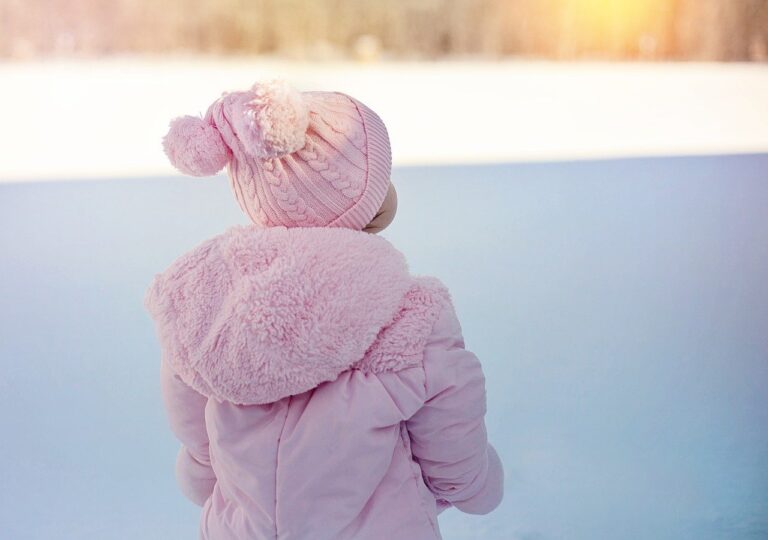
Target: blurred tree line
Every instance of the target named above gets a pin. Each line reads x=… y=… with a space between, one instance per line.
x=368 y=29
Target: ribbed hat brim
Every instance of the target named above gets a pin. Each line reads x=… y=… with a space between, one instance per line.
x=379 y=155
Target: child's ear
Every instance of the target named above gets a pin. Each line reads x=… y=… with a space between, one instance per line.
x=195 y=147
x=386 y=213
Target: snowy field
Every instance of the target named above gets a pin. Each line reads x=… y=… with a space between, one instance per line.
x=619 y=306
x=95 y=119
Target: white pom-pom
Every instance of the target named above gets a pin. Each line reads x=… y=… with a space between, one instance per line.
x=272 y=120
x=195 y=147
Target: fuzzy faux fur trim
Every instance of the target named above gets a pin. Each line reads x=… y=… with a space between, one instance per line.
x=257 y=314
x=271 y=120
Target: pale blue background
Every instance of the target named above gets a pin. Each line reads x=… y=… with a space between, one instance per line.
x=620 y=309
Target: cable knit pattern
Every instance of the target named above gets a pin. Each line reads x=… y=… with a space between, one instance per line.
x=286 y=195
x=256 y=314
x=351 y=186
x=341 y=124
x=296 y=159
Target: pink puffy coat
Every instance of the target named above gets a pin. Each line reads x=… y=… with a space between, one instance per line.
x=319 y=390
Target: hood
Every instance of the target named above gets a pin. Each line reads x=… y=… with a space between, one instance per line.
x=256 y=314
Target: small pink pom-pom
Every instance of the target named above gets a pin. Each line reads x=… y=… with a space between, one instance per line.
x=272 y=120
x=195 y=147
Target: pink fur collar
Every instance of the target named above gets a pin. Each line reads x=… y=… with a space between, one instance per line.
x=257 y=314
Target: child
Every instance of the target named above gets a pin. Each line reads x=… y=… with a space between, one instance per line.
x=319 y=390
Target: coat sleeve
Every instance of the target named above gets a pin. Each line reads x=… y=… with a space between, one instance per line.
x=448 y=434
x=186 y=414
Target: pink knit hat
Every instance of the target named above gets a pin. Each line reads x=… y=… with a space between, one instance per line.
x=298 y=159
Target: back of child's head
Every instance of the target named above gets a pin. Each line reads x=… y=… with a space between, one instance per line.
x=295 y=159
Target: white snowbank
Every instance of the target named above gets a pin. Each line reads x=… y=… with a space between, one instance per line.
x=105 y=118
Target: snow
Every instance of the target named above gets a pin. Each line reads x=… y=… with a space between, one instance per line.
x=619 y=308
x=104 y=118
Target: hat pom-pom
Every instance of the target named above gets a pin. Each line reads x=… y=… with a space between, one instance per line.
x=272 y=120
x=195 y=147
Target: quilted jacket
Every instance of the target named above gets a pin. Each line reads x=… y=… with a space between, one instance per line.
x=319 y=390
